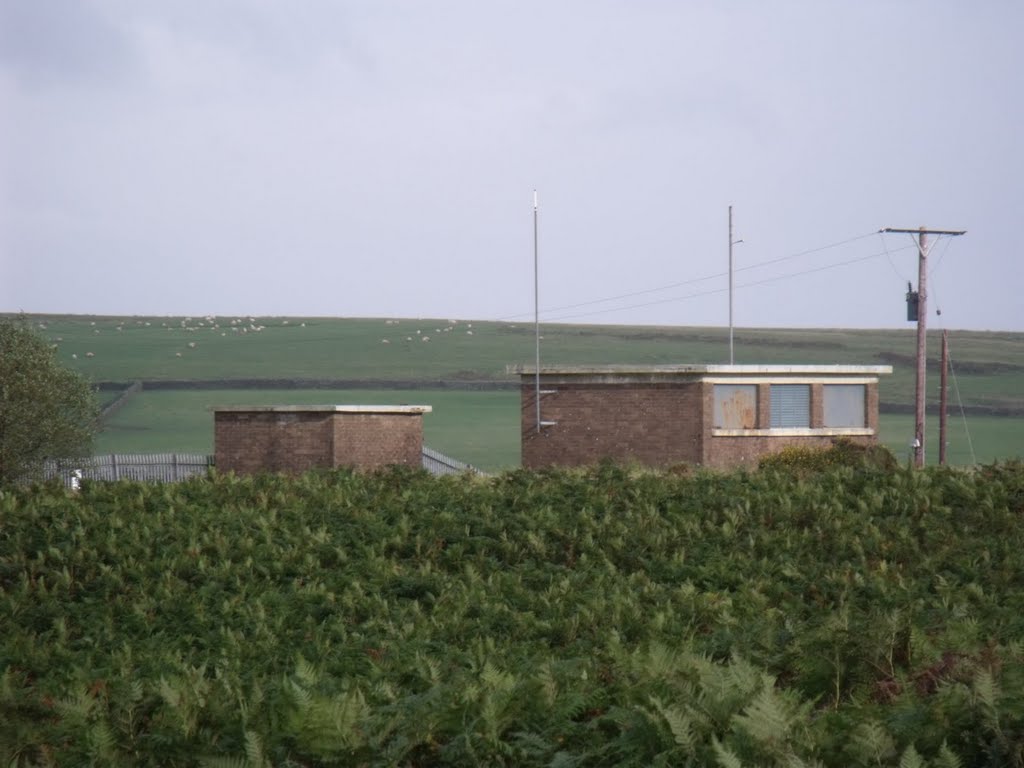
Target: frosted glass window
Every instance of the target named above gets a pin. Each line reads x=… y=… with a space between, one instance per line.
x=844 y=405
x=790 y=405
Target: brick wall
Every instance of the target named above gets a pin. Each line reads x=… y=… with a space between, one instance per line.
x=371 y=441
x=293 y=440
x=249 y=442
x=656 y=424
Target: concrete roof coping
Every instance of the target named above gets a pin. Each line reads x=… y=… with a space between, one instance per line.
x=718 y=370
x=383 y=409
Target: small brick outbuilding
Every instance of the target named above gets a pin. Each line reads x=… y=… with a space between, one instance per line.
x=719 y=416
x=296 y=438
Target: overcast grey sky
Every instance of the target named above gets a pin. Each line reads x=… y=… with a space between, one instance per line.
x=379 y=158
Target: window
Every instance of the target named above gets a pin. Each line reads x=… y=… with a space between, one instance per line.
x=735 y=406
x=844 y=405
x=790 y=405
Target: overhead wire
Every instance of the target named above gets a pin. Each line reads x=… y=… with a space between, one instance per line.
x=681 y=283
x=720 y=290
x=960 y=402
x=881 y=236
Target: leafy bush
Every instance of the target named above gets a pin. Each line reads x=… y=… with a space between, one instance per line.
x=842 y=453
x=46 y=411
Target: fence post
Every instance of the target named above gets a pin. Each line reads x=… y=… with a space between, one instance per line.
x=113 y=464
x=174 y=466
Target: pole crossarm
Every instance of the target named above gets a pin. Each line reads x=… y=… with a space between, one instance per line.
x=918 y=231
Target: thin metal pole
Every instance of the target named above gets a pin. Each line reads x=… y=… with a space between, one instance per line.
x=536 y=313
x=731 y=358
x=942 y=397
x=922 y=343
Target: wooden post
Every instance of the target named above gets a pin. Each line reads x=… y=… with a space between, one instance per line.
x=922 y=342
x=942 y=398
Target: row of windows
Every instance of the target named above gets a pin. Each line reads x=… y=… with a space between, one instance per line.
x=843 y=405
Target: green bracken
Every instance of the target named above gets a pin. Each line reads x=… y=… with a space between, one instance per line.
x=852 y=616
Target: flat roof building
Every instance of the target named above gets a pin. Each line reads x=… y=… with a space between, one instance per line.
x=295 y=438
x=719 y=416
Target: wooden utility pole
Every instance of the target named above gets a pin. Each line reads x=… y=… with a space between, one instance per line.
x=942 y=397
x=920 y=393
x=922 y=322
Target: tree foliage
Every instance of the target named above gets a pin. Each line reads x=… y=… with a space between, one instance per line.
x=46 y=410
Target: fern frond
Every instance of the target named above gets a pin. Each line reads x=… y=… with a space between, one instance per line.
x=678 y=722
x=986 y=690
x=767 y=718
x=725 y=756
x=947 y=758
x=254 y=750
x=306 y=672
x=223 y=762
x=911 y=758
x=101 y=742
x=872 y=743
x=793 y=761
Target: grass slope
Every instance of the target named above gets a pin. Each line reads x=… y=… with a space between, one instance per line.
x=483 y=428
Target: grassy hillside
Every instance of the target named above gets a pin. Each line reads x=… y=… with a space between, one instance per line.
x=990 y=366
x=483 y=427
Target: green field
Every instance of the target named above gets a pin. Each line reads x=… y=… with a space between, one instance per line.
x=482 y=427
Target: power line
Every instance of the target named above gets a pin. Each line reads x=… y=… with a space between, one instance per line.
x=715 y=290
x=691 y=281
x=722 y=290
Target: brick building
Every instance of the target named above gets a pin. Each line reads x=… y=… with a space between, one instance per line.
x=295 y=438
x=719 y=416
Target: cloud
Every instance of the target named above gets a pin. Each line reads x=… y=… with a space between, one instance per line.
x=61 y=43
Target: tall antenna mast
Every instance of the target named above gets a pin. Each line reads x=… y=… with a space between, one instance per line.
x=731 y=244
x=536 y=313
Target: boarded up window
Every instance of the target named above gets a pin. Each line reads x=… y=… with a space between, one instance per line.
x=790 y=405
x=844 y=405
x=735 y=406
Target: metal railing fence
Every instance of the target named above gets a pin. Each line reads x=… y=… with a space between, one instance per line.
x=172 y=467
